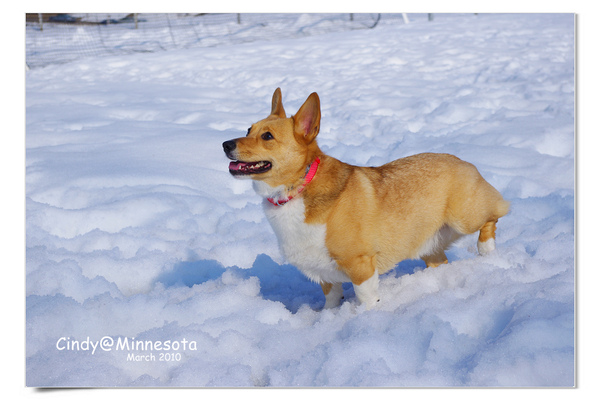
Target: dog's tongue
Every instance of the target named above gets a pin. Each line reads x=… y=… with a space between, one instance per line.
x=239 y=166
x=234 y=165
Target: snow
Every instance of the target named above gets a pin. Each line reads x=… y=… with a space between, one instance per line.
x=135 y=229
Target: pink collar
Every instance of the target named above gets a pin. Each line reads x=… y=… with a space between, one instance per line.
x=310 y=174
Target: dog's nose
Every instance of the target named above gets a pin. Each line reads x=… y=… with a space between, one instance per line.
x=229 y=146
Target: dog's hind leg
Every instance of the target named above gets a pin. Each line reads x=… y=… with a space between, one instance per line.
x=435 y=260
x=487 y=237
x=433 y=250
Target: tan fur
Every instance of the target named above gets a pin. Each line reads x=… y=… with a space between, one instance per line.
x=326 y=287
x=375 y=217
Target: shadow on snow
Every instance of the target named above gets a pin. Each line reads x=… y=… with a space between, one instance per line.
x=278 y=282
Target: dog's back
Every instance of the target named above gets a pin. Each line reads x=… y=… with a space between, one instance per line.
x=413 y=207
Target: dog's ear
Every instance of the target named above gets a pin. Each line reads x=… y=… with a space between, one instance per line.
x=277 y=105
x=308 y=118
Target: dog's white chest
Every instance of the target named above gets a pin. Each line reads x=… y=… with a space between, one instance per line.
x=303 y=244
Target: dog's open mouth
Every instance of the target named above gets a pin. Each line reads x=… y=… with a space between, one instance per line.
x=248 y=168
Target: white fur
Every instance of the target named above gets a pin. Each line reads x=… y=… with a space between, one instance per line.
x=486 y=247
x=302 y=244
x=264 y=190
x=333 y=298
x=368 y=291
x=440 y=241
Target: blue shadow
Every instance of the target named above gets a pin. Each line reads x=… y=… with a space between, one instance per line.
x=278 y=282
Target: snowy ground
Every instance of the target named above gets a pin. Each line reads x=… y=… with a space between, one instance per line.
x=58 y=43
x=136 y=232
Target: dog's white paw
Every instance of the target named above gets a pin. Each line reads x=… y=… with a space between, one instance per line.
x=368 y=291
x=334 y=297
x=486 y=247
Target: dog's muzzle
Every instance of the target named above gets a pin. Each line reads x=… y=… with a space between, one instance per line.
x=242 y=168
x=229 y=146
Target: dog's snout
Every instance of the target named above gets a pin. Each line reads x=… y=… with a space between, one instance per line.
x=229 y=146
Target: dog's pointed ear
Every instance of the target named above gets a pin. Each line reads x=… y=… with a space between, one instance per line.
x=277 y=105
x=308 y=118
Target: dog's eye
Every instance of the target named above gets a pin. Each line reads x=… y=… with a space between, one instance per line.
x=267 y=136
x=248 y=131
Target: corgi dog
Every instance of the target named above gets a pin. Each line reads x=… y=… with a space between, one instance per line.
x=342 y=223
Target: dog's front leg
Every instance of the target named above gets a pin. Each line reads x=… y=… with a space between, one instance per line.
x=368 y=291
x=365 y=278
x=333 y=294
